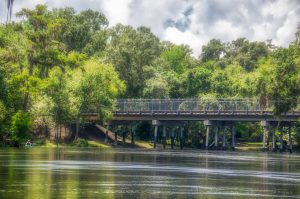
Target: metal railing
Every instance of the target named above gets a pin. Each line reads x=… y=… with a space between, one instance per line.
x=193 y=105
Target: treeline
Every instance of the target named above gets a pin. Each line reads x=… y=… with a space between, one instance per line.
x=55 y=64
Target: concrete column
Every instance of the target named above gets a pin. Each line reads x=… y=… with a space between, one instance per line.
x=281 y=139
x=207 y=136
x=155 y=136
x=116 y=137
x=232 y=137
x=132 y=136
x=224 y=137
x=266 y=131
x=164 y=136
x=181 y=138
x=216 y=136
x=290 y=140
x=273 y=141
x=172 y=138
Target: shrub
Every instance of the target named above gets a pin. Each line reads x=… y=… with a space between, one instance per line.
x=21 y=127
x=80 y=143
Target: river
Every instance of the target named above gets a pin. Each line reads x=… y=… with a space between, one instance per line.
x=135 y=173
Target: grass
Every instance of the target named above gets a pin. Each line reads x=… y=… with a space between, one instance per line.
x=51 y=144
x=98 y=144
x=249 y=146
x=143 y=144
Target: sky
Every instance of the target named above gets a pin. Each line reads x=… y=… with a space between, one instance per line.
x=193 y=22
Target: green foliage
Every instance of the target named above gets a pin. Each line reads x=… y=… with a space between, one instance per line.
x=84 y=32
x=285 y=87
x=131 y=52
x=213 y=50
x=97 y=88
x=80 y=143
x=177 y=58
x=20 y=126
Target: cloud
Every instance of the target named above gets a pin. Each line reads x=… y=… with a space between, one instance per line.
x=194 y=22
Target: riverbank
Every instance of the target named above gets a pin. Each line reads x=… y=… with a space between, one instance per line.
x=84 y=143
x=90 y=143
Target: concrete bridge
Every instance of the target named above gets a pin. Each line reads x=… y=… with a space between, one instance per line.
x=218 y=115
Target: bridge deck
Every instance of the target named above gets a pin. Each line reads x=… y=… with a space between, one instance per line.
x=189 y=109
x=204 y=115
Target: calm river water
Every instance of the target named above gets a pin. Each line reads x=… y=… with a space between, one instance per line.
x=135 y=173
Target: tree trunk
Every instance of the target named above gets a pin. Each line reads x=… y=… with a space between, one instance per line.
x=26 y=98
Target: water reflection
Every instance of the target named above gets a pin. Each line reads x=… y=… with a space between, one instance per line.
x=93 y=173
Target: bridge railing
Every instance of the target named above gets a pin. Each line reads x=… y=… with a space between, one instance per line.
x=182 y=105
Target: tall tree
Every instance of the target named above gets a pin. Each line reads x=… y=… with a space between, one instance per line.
x=132 y=52
x=213 y=50
x=285 y=87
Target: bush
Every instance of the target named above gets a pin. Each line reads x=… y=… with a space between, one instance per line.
x=80 y=143
x=21 y=127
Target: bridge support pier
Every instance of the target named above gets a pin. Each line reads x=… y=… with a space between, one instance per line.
x=266 y=126
x=164 y=136
x=216 y=137
x=281 y=139
x=207 y=136
x=172 y=138
x=132 y=136
x=224 y=137
x=232 y=137
x=155 y=136
x=181 y=138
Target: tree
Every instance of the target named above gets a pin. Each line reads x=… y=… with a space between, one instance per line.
x=246 y=53
x=132 y=52
x=177 y=58
x=198 y=80
x=96 y=85
x=85 y=32
x=285 y=86
x=213 y=50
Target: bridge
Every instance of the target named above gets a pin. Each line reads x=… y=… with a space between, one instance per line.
x=217 y=115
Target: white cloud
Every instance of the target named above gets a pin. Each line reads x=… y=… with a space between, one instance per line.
x=174 y=35
x=117 y=11
x=206 y=19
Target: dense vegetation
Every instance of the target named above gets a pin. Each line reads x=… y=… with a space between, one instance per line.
x=55 y=64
